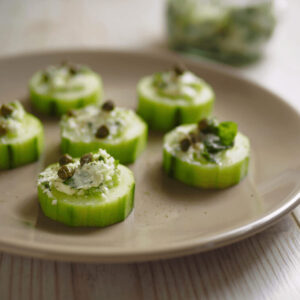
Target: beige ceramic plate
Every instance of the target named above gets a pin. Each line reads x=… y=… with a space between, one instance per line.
x=169 y=219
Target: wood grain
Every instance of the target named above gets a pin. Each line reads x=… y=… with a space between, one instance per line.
x=265 y=266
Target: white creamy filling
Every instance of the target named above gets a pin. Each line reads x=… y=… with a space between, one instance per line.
x=186 y=84
x=62 y=84
x=84 y=125
x=226 y=157
x=203 y=95
x=96 y=174
x=14 y=122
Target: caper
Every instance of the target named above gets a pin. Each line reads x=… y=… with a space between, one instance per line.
x=102 y=132
x=185 y=144
x=202 y=124
x=71 y=113
x=45 y=76
x=178 y=70
x=86 y=158
x=65 y=159
x=65 y=172
x=108 y=105
x=6 y=110
x=73 y=70
x=3 y=129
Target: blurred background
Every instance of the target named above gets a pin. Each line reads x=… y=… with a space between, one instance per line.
x=35 y=25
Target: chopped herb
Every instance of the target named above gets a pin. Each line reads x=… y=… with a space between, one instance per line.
x=185 y=144
x=108 y=105
x=86 y=158
x=216 y=137
x=65 y=159
x=69 y=182
x=65 y=172
x=208 y=156
x=102 y=132
x=6 y=110
x=213 y=143
x=46 y=184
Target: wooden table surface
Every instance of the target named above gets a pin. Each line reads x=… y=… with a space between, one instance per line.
x=266 y=266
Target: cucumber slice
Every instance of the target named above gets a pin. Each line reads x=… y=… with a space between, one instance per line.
x=189 y=163
x=22 y=137
x=169 y=99
x=58 y=89
x=99 y=193
x=119 y=131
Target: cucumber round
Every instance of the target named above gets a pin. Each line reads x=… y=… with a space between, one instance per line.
x=22 y=141
x=103 y=203
x=189 y=166
x=58 y=89
x=167 y=100
x=125 y=140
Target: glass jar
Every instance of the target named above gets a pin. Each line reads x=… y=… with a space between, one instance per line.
x=232 y=31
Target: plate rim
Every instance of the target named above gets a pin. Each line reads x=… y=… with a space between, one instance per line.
x=190 y=246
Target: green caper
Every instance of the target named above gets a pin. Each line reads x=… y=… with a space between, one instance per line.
x=86 y=158
x=202 y=124
x=65 y=172
x=108 y=105
x=71 y=113
x=65 y=159
x=185 y=144
x=6 y=110
x=178 y=70
x=45 y=76
x=73 y=69
x=102 y=132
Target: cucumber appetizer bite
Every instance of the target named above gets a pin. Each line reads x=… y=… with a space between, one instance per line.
x=91 y=191
x=168 y=99
x=21 y=136
x=119 y=131
x=207 y=155
x=57 y=89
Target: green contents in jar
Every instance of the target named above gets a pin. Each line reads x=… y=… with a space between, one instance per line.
x=177 y=84
x=229 y=31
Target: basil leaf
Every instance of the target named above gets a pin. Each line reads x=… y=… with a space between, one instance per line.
x=227 y=132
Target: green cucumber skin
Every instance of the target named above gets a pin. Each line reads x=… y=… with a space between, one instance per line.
x=82 y=215
x=208 y=177
x=165 y=116
x=16 y=154
x=57 y=107
x=125 y=152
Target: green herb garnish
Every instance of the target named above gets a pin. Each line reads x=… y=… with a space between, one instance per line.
x=216 y=137
x=227 y=132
